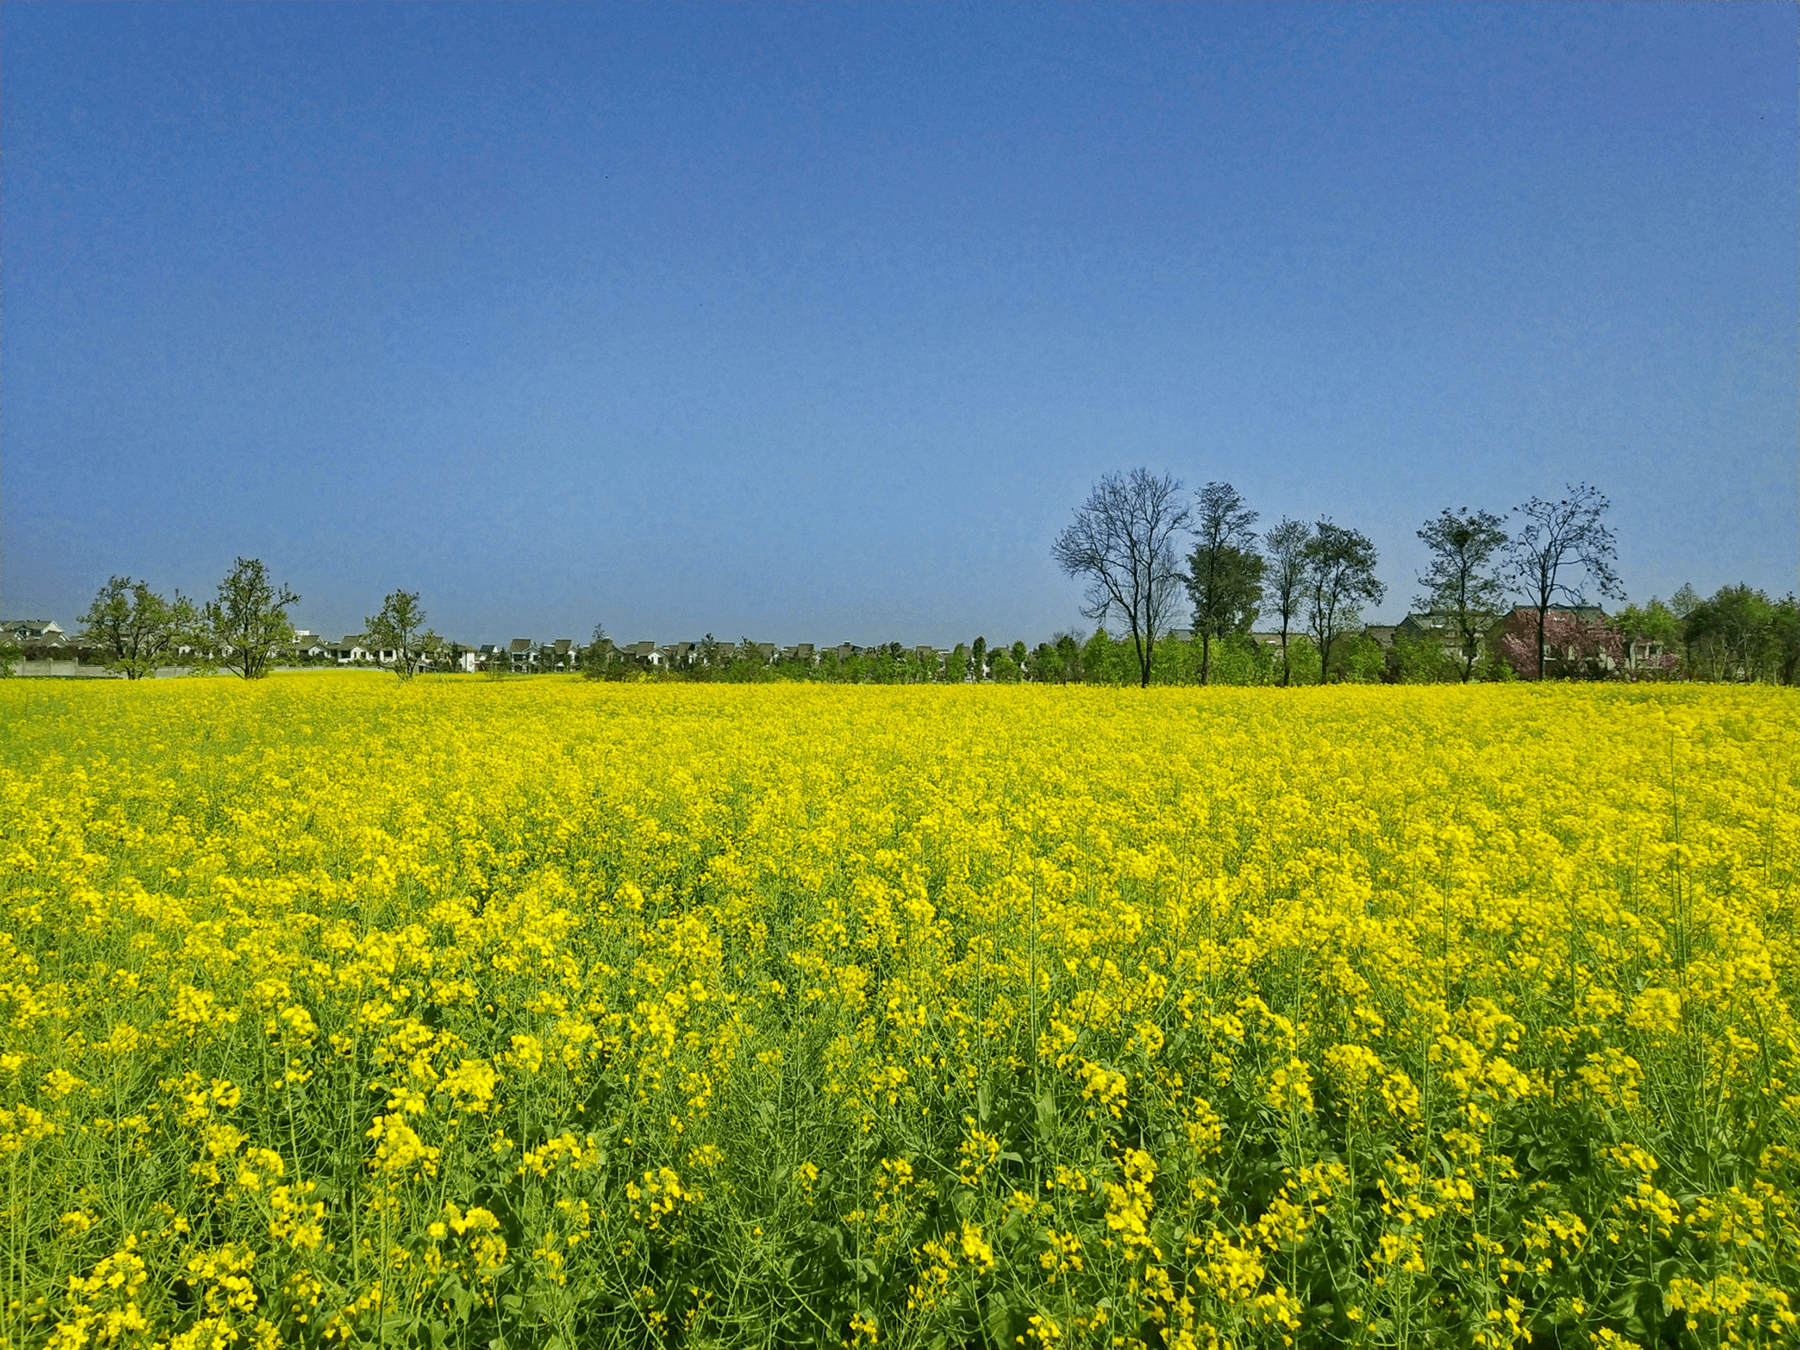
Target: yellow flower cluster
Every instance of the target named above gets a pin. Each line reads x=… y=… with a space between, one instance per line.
x=334 y=1010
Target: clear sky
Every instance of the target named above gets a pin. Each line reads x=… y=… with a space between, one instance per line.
x=814 y=323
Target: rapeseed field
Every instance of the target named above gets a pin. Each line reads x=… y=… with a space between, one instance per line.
x=339 y=1011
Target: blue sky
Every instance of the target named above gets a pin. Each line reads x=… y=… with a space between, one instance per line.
x=814 y=323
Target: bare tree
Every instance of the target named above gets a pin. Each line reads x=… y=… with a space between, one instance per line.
x=1122 y=541
x=1461 y=583
x=1285 y=576
x=136 y=627
x=1224 y=576
x=1557 y=538
x=1340 y=579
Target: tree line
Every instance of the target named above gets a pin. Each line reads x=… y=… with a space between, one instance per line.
x=243 y=629
x=1510 y=605
x=1127 y=543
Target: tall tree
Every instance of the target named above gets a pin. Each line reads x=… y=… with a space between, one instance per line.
x=956 y=665
x=1285 y=572
x=1732 y=634
x=1224 y=575
x=248 y=622
x=1463 y=582
x=136 y=627
x=1558 y=538
x=1122 y=541
x=1785 y=633
x=1340 y=579
x=978 y=660
x=400 y=628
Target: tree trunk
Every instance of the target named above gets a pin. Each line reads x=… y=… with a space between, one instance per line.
x=1205 y=655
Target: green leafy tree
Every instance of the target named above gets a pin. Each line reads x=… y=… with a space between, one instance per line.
x=1302 y=651
x=598 y=656
x=1785 y=632
x=1178 y=661
x=1224 y=576
x=1239 y=659
x=1558 y=539
x=1360 y=659
x=1655 y=625
x=136 y=627
x=956 y=665
x=248 y=622
x=885 y=665
x=747 y=662
x=1103 y=659
x=1732 y=635
x=978 y=660
x=1423 y=660
x=1122 y=542
x=400 y=628
x=1285 y=566
x=1463 y=582
x=1340 y=580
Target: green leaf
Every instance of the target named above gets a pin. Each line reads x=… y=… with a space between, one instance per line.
x=999 y=1320
x=1046 y=1114
x=463 y=1297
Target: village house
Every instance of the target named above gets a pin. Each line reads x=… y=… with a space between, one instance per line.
x=1431 y=624
x=309 y=646
x=34 y=632
x=1584 y=631
x=1641 y=653
x=350 y=650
